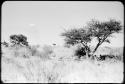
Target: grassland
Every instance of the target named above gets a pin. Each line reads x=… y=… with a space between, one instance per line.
x=57 y=64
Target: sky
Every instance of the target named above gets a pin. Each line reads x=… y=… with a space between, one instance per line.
x=43 y=21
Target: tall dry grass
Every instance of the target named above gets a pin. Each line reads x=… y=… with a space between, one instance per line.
x=49 y=64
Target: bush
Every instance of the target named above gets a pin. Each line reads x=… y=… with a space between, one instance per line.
x=19 y=51
x=47 y=49
x=5 y=44
x=34 y=51
x=119 y=58
x=109 y=57
x=80 y=52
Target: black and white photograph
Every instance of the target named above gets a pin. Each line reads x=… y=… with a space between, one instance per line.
x=62 y=42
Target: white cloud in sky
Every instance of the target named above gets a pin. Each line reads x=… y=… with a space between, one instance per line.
x=31 y=25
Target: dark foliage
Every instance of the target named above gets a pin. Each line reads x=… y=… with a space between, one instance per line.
x=18 y=40
x=5 y=44
x=81 y=52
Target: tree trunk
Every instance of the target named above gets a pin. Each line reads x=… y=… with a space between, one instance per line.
x=96 y=47
x=87 y=55
x=100 y=42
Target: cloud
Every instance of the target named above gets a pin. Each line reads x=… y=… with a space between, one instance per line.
x=32 y=25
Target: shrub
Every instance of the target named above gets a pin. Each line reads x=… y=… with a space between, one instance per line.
x=23 y=52
x=47 y=49
x=119 y=58
x=33 y=50
x=80 y=52
x=5 y=44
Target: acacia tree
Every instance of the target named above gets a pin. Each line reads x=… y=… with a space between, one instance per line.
x=95 y=29
x=75 y=36
x=18 y=40
x=103 y=30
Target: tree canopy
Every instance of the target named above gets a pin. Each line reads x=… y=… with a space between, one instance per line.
x=18 y=40
x=75 y=36
x=103 y=30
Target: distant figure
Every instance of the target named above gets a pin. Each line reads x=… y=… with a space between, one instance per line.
x=54 y=44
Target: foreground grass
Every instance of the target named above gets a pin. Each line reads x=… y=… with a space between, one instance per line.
x=36 y=69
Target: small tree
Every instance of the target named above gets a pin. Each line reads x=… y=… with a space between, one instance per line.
x=19 y=40
x=103 y=30
x=5 y=44
x=76 y=36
